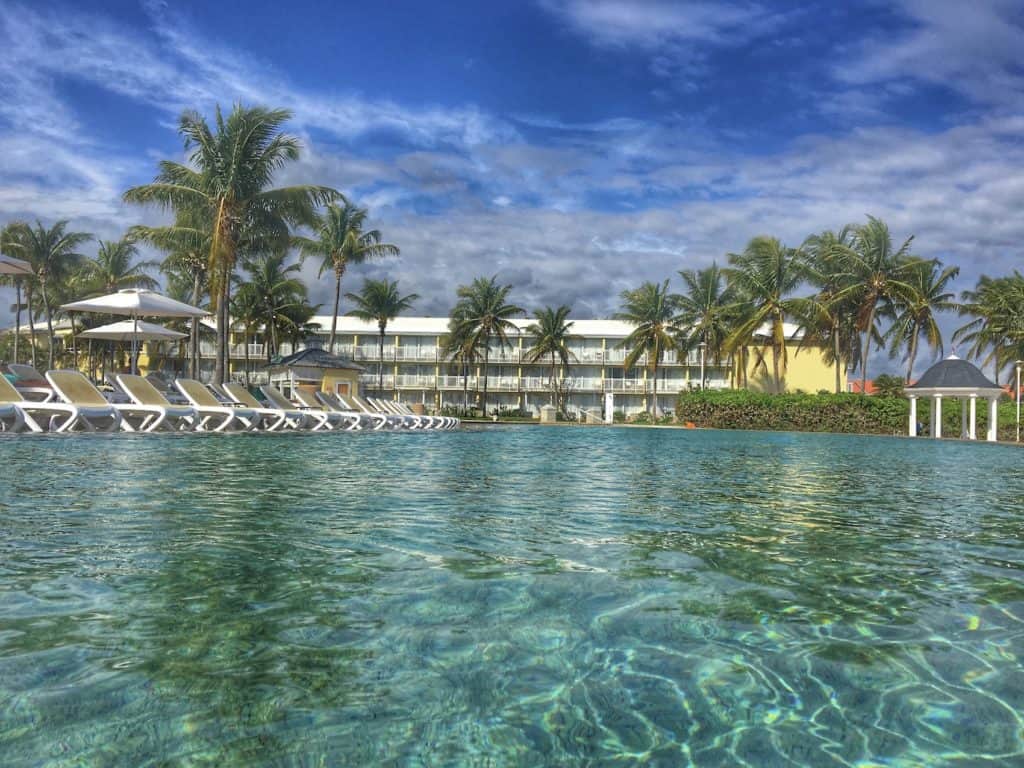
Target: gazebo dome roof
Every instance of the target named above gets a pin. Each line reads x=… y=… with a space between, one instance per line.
x=954 y=373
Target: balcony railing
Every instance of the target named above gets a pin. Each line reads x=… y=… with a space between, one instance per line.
x=408 y=381
x=372 y=380
x=455 y=382
x=637 y=386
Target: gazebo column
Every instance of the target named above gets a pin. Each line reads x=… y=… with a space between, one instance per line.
x=993 y=419
x=913 y=416
x=963 y=418
x=972 y=431
x=936 y=415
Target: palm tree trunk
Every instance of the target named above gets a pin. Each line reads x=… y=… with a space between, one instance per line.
x=31 y=326
x=911 y=355
x=465 y=387
x=775 y=367
x=218 y=363
x=835 y=354
x=554 y=382
x=487 y=357
x=654 y=400
x=193 y=368
x=245 y=341
x=867 y=351
x=49 y=324
x=17 y=315
x=339 y=272
x=380 y=367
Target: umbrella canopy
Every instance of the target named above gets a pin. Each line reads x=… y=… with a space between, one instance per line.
x=136 y=302
x=128 y=330
x=12 y=266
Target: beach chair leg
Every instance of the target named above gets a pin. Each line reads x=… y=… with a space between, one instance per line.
x=228 y=420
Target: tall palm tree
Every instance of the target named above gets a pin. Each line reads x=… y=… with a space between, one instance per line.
x=380 y=302
x=766 y=274
x=272 y=289
x=114 y=267
x=341 y=240
x=825 y=318
x=551 y=333
x=707 y=312
x=880 y=275
x=462 y=347
x=915 y=318
x=483 y=315
x=227 y=183
x=54 y=258
x=996 y=334
x=12 y=243
x=655 y=314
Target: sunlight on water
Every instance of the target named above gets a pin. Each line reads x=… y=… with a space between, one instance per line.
x=510 y=596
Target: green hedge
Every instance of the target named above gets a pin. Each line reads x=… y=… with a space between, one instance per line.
x=740 y=409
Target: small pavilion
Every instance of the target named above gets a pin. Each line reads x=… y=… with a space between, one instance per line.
x=315 y=370
x=957 y=378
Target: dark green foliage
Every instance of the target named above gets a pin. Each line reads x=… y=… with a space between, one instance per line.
x=887 y=385
x=847 y=413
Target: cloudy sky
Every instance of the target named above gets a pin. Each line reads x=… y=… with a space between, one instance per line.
x=573 y=147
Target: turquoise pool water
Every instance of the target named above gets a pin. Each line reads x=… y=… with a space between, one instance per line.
x=510 y=596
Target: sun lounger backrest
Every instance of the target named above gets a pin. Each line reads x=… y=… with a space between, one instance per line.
x=75 y=388
x=331 y=401
x=276 y=398
x=8 y=394
x=141 y=391
x=198 y=394
x=241 y=395
x=26 y=375
x=363 y=404
x=308 y=399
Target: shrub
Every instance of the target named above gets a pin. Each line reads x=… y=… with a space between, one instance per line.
x=888 y=385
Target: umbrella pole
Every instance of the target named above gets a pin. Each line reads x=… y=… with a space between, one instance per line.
x=134 y=368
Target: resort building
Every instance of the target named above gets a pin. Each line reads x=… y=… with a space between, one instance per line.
x=413 y=368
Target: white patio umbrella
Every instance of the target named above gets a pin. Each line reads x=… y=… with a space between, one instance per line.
x=132 y=330
x=11 y=266
x=136 y=303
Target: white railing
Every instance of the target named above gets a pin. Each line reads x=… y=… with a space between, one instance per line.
x=455 y=382
x=410 y=381
x=626 y=385
x=255 y=350
x=416 y=353
x=372 y=380
x=503 y=383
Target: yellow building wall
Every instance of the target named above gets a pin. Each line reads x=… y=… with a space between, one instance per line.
x=806 y=370
x=341 y=381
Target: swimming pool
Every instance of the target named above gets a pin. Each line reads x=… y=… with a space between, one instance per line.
x=510 y=596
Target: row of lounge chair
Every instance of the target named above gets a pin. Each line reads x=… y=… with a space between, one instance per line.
x=72 y=403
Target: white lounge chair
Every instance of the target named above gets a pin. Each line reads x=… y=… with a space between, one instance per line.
x=393 y=420
x=384 y=420
x=334 y=403
x=180 y=418
x=278 y=418
x=335 y=419
x=91 y=407
x=31 y=383
x=409 y=420
x=312 y=420
x=23 y=412
x=210 y=409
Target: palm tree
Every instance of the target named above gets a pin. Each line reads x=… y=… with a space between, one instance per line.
x=482 y=315
x=766 y=274
x=551 y=334
x=460 y=346
x=379 y=301
x=340 y=241
x=113 y=269
x=880 y=275
x=12 y=244
x=654 y=313
x=53 y=256
x=707 y=312
x=915 y=318
x=825 y=318
x=227 y=185
x=996 y=334
x=271 y=290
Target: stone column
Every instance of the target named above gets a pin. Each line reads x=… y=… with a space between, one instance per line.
x=963 y=418
x=993 y=419
x=972 y=432
x=913 y=417
x=937 y=417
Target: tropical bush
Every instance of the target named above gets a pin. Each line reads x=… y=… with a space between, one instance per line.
x=846 y=413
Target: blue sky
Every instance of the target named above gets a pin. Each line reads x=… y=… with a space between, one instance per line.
x=574 y=147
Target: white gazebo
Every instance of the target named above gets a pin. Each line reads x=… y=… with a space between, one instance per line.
x=956 y=378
